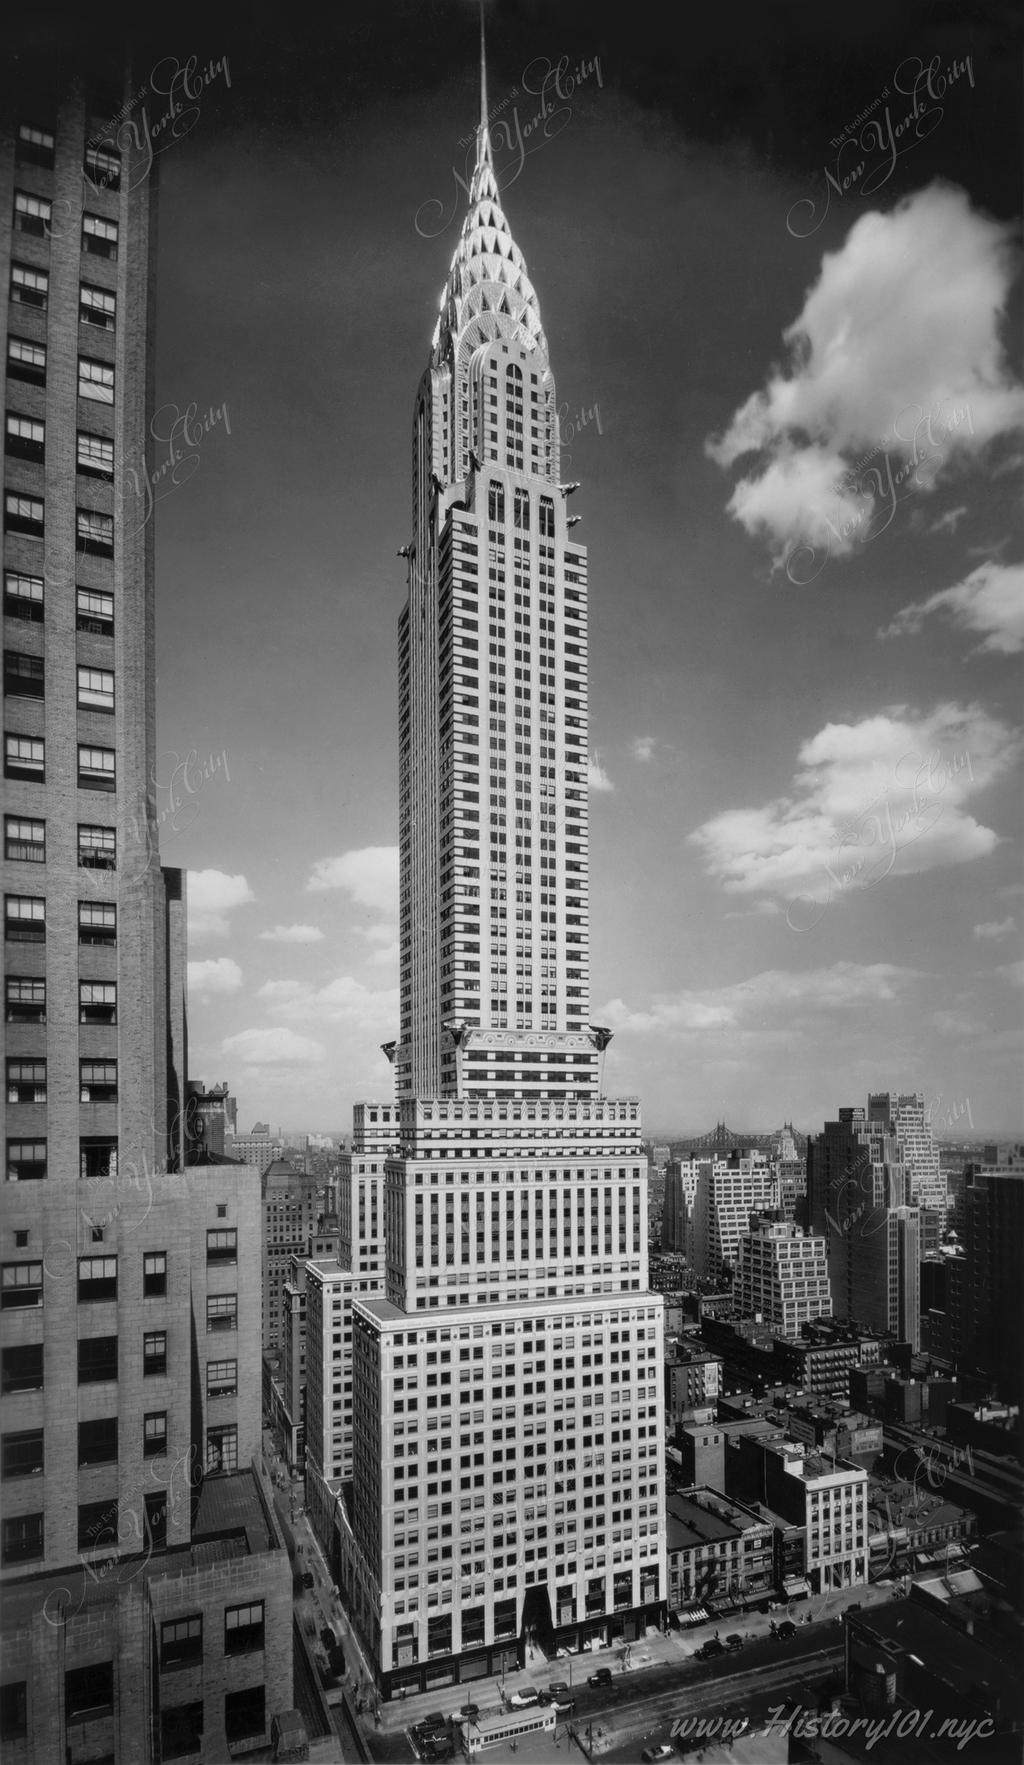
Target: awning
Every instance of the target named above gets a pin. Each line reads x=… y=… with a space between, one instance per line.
x=694 y=1615
x=794 y=1585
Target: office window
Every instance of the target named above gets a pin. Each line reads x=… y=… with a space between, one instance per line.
x=23 y=675
x=97 y=1157
x=94 y=533
x=97 y=847
x=154 y=1272
x=222 y=1311
x=97 y=1442
x=21 y=1455
x=245 y=1713
x=95 y=380
x=26 y=361
x=181 y=1730
x=154 y=1434
x=156 y=1518
x=97 y=1001
x=97 y=1278
x=99 y=237
x=222 y=1449
x=14 y=1710
x=26 y=1160
x=96 y=306
x=89 y=1691
x=25 y=919
x=221 y=1246
x=154 y=1352
x=243 y=1628
x=97 y=1359
x=102 y=167
x=95 y=459
x=95 y=689
x=97 y=1081
x=95 y=611
x=34 y=146
x=23 y=596
x=24 y=841
x=21 y=1285
x=26 y=1081
x=181 y=1640
x=221 y=1378
x=96 y=769
x=22 y=1539
x=25 y=757
x=25 y=999
x=23 y=514
x=21 y=1368
x=31 y=213
x=29 y=287
x=97 y=922
x=25 y=437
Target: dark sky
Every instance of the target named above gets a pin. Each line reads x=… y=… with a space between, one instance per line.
x=755 y=948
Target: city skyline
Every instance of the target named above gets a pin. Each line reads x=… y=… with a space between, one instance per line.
x=755 y=743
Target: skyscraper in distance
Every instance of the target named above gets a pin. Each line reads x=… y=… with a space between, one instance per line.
x=506 y=1385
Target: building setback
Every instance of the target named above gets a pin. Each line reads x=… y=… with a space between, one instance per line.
x=507 y=1424
x=146 y=1591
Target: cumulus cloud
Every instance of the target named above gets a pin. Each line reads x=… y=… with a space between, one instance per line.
x=292 y=934
x=343 y=1001
x=212 y=896
x=993 y=928
x=597 y=777
x=990 y=600
x=643 y=748
x=369 y=876
x=272 y=1048
x=895 y=376
x=883 y=796
x=216 y=975
x=776 y=996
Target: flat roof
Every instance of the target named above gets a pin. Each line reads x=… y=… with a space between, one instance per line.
x=970 y=1665
x=567 y=1305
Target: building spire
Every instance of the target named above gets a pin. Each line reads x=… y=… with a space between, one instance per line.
x=483 y=137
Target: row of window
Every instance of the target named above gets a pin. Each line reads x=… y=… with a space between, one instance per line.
x=30 y=286
x=21 y=1365
x=21 y=1455
x=21 y=1285
x=25 y=439
x=89 y=1693
x=23 y=599
x=24 y=678
x=25 y=757
x=94 y=532
x=37 y=146
x=25 y=842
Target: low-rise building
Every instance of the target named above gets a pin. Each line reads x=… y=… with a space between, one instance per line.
x=826 y=1497
x=719 y=1552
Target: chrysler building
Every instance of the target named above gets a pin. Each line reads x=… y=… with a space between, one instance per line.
x=506 y=1431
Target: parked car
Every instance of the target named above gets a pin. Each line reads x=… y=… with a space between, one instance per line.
x=307 y=1580
x=710 y=1650
x=662 y=1752
x=603 y=1676
x=434 y=1724
x=787 y=1628
x=734 y=1642
x=524 y=1697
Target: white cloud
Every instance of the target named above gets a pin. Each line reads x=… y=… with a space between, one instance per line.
x=992 y=928
x=1012 y=972
x=272 y=1048
x=343 y=1000
x=768 y=1003
x=885 y=795
x=597 y=777
x=949 y=522
x=895 y=367
x=643 y=748
x=292 y=934
x=368 y=875
x=212 y=895
x=989 y=600
x=216 y=975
